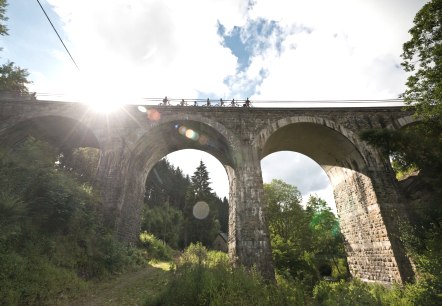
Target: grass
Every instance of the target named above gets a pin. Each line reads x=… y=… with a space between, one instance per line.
x=131 y=288
x=164 y=265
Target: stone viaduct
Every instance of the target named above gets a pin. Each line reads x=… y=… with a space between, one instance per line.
x=133 y=139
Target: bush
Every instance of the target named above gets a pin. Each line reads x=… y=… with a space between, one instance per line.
x=52 y=237
x=203 y=277
x=156 y=249
x=199 y=285
x=344 y=293
x=357 y=292
x=35 y=281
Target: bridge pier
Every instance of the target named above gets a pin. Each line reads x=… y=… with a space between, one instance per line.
x=369 y=209
x=110 y=180
x=121 y=183
x=249 y=241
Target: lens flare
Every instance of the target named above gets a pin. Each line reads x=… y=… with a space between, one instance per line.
x=153 y=115
x=182 y=130
x=142 y=109
x=201 y=210
x=191 y=134
x=204 y=140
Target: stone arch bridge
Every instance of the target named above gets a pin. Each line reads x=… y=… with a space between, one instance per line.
x=132 y=140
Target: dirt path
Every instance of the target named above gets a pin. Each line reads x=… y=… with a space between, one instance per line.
x=131 y=288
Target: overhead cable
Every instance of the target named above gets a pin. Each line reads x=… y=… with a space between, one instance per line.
x=53 y=27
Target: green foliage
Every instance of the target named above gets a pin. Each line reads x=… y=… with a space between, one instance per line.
x=82 y=163
x=327 y=240
x=356 y=292
x=344 y=293
x=417 y=146
x=3 y=18
x=194 y=254
x=303 y=241
x=52 y=237
x=196 y=229
x=170 y=199
x=166 y=184
x=165 y=222
x=205 y=280
x=423 y=58
x=35 y=281
x=13 y=79
x=286 y=217
x=156 y=248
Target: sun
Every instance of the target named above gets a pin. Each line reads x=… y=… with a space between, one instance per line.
x=102 y=100
x=104 y=105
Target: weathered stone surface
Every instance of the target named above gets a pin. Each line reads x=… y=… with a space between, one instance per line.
x=132 y=142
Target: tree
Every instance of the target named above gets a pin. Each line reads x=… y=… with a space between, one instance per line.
x=198 y=228
x=284 y=210
x=164 y=222
x=13 y=79
x=166 y=183
x=223 y=215
x=200 y=183
x=81 y=162
x=327 y=242
x=3 y=18
x=423 y=58
x=289 y=232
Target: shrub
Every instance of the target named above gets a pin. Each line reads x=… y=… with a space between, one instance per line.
x=156 y=249
x=203 y=277
x=35 y=281
x=52 y=237
x=344 y=293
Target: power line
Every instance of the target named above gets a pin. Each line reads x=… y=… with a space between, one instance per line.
x=58 y=35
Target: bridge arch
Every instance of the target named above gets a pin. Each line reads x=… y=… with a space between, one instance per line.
x=170 y=135
x=361 y=186
x=62 y=131
x=318 y=134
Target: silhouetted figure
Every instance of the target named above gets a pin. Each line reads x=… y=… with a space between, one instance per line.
x=165 y=101
x=221 y=102
x=195 y=103
x=182 y=102
x=208 y=102
x=233 y=103
x=247 y=103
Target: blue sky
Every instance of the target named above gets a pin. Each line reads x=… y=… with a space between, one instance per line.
x=262 y=49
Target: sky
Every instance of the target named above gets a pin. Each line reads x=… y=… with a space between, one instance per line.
x=280 y=50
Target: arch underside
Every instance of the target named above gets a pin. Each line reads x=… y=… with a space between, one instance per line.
x=61 y=132
x=156 y=144
x=369 y=252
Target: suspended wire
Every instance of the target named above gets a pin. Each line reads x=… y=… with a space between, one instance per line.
x=58 y=35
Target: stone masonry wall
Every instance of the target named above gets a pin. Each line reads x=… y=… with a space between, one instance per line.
x=367 y=199
x=370 y=254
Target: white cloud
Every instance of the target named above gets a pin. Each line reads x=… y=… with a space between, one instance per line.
x=150 y=48
x=298 y=170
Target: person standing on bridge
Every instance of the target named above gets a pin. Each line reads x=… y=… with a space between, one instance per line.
x=165 y=101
